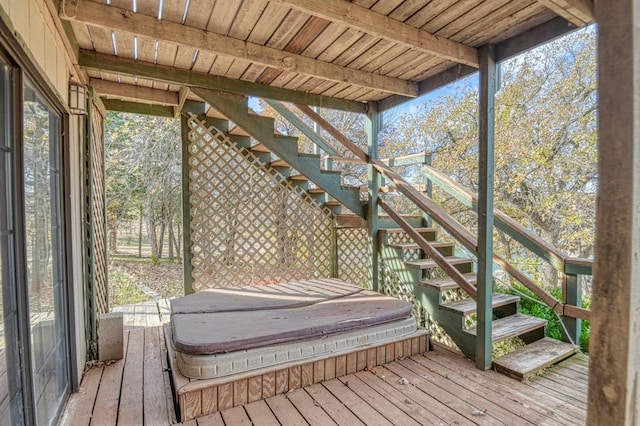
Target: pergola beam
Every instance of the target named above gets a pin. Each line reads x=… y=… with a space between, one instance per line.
x=133 y=92
x=114 y=64
x=578 y=12
x=379 y=25
x=113 y=18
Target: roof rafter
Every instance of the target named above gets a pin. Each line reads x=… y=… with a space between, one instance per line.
x=578 y=12
x=133 y=92
x=379 y=25
x=109 y=63
x=114 y=18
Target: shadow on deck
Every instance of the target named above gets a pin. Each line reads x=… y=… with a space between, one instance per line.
x=439 y=387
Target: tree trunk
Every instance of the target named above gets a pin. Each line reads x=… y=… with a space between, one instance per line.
x=171 y=238
x=161 y=239
x=140 y=233
x=151 y=231
x=113 y=235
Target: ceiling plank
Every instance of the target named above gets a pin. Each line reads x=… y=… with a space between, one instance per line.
x=578 y=12
x=133 y=92
x=379 y=25
x=110 y=17
x=109 y=63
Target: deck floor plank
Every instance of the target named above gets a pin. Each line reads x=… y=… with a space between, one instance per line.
x=105 y=411
x=155 y=403
x=313 y=414
x=260 y=414
x=131 y=399
x=554 y=408
x=285 y=411
x=443 y=388
x=338 y=412
x=81 y=404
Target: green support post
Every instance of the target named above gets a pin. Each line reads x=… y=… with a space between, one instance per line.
x=486 y=166
x=373 y=123
x=428 y=189
x=186 y=211
x=572 y=292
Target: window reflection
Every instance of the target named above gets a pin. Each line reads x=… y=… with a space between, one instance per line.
x=44 y=256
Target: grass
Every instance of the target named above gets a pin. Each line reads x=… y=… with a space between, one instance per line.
x=123 y=289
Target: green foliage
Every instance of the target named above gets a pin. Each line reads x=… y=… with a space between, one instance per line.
x=123 y=289
x=536 y=309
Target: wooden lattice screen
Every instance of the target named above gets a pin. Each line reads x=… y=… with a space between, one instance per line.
x=95 y=227
x=354 y=256
x=248 y=224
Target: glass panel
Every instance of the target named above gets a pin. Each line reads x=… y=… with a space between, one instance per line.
x=44 y=256
x=10 y=385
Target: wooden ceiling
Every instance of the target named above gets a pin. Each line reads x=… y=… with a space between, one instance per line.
x=326 y=50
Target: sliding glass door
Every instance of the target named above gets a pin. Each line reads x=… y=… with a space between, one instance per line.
x=44 y=255
x=11 y=403
x=34 y=336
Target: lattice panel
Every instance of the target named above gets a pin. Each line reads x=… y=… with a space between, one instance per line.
x=249 y=225
x=354 y=256
x=392 y=285
x=98 y=223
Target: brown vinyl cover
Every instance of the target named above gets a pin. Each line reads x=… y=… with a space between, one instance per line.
x=218 y=321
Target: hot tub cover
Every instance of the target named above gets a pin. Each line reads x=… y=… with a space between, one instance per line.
x=227 y=320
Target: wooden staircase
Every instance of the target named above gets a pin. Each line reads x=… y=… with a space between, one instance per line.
x=281 y=152
x=430 y=285
x=429 y=276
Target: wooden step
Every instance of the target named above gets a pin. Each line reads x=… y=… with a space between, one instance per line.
x=280 y=163
x=332 y=203
x=238 y=131
x=299 y=177
x=401 y=231
x=316 y=190
x=470 y=306
x=527 y=361
x=447 y=283
x=430 y=263
x=260 y=148
x=414 y=246
x=513 y=326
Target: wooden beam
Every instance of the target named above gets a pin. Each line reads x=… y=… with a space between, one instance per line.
x=182 y=98
x=100 y=62
x=614 y=354
x=379 y=25
x=578 y=12
x=138 y=108
x=113 y=18
x=133 y=92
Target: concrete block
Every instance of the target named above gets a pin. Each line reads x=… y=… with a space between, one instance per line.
x=110 y=331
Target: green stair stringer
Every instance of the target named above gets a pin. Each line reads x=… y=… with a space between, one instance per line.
x=235 y=108
x=430 y=299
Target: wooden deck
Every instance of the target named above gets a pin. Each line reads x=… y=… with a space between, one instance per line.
x=438 y=388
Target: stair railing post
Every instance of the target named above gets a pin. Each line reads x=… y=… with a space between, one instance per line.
x=186 y=208
x=486 y=171
x=428 y=183
x=572 y=294
x=373 y=123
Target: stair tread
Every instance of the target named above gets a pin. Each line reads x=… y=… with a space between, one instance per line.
x=280 y=163
x=527 y=361
x=260 y=148
x=401 y=231
x=316 y=191
x=447 y=283
x=332 y=203
x=512 y=326
x=238 y=131
x=408 y=246
x=470 y=306
x=430 y=263
x=299 y=177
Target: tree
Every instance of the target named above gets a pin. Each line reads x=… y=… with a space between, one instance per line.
x=143 y=157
